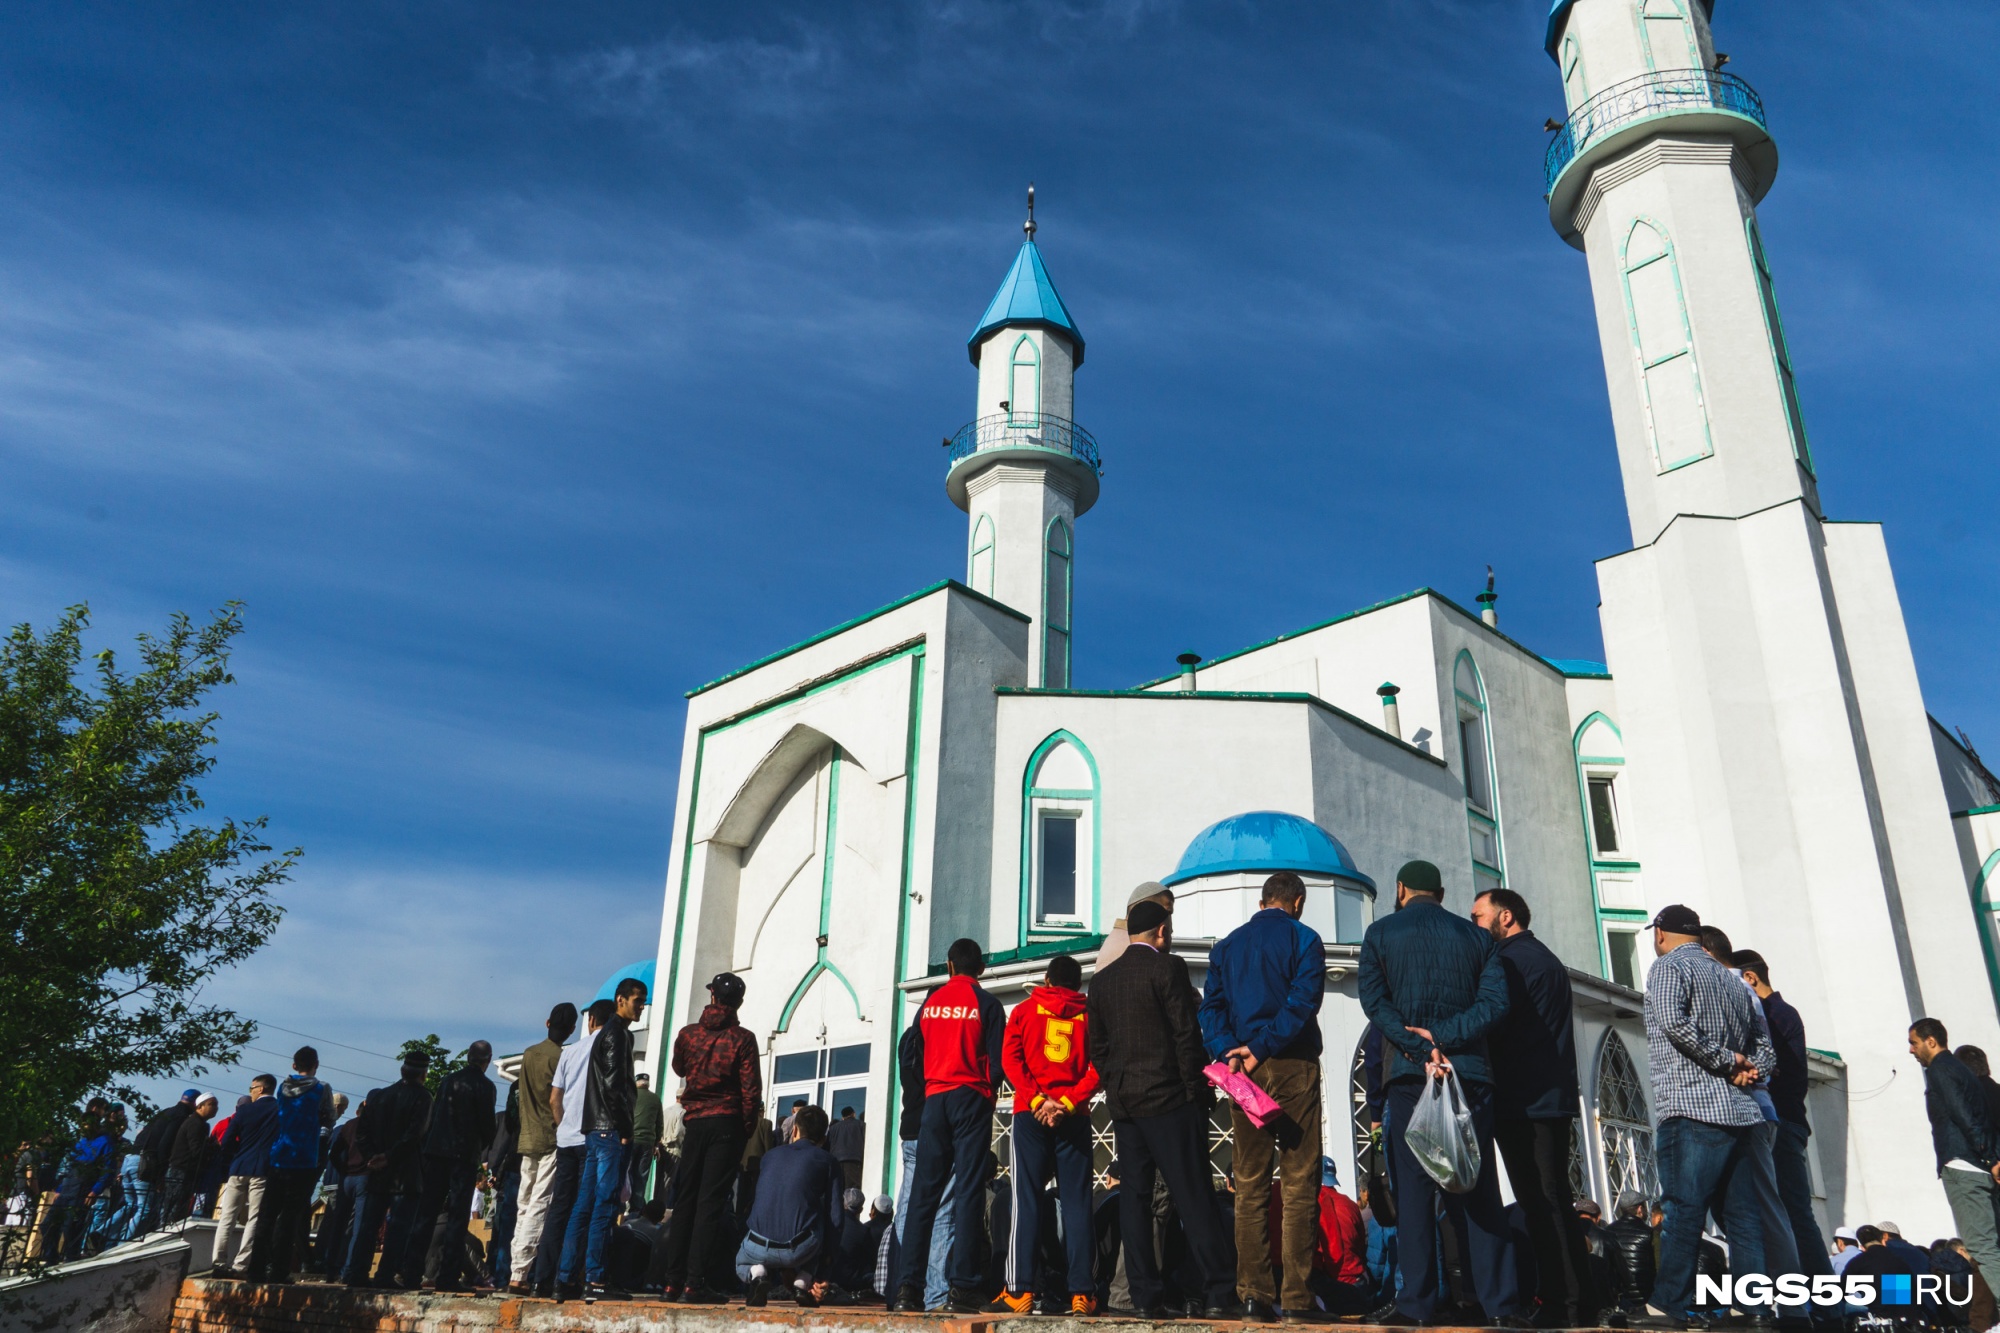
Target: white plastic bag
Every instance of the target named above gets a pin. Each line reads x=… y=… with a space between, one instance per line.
x=1441 y=1136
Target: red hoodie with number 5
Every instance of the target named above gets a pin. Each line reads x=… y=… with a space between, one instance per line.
x=1047 y=1050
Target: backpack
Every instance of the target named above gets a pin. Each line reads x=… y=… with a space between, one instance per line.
x=297 y=1143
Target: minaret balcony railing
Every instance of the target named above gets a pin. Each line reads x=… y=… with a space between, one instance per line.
x=1007 y=430
x=1666 y=92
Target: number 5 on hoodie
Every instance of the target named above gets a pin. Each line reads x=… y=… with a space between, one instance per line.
x=1047 y=1050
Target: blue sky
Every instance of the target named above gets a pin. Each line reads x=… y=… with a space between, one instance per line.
x=522 y=367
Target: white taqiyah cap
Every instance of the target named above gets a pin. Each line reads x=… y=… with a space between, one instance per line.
x=1846 y=1233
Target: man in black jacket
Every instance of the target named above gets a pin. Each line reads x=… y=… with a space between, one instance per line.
x=610 y=1092
x=460 y=1128
x=1966 y=1140
x=154 y=1145
x=1788 y=1096
x=390 y=1137
x=186 y=1158
x=1146 y=1039
x=1535 y=1101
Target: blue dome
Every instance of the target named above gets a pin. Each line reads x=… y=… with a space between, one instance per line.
x=1026 y=297
x=1262 y=841
x=643 y=971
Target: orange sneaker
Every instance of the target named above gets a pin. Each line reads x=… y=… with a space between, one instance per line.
x=1011 y=1303
x=1082 y=1306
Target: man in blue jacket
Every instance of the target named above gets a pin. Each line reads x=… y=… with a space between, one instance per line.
x=1260 y=1012
x=1433 y=983
x=246 y=1146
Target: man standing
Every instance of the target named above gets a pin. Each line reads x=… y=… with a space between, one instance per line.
x=1965 y=1139
x=1433 y=983
x=537 y=1145
x=305 y=1109
x=847 y=1140
x=566 y=1095
x=1788 y=1099
x=1768 y=1248
x=960 y=1028
x=1535 y=1102
x=649 y=1120
x=241 y=1212
x=1046 y=1053
x=154 y=1146
x=1706 y=1048
x=460 y=1128
x=607 y=1124
x=186 y=1158
x=721 y=1090
x=389 y=1139
x=1260 y=1012
x=909 y=1124
x=1146 y=1041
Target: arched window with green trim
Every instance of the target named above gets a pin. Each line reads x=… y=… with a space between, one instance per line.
x=979 y=565
x=1056 y=587
x=1663 y=350
x=1575 y=87
x=1482 y=791
x=1060 y=857
x=1024 y=383
x=1986 y=907
x=1615 y=887
x=1667 y=33
x=1781 y=354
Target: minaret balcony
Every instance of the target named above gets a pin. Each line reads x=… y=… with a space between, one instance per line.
x=1695 y=101
x=1027 y=438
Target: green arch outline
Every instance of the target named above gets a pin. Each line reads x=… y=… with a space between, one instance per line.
x=1029 y=791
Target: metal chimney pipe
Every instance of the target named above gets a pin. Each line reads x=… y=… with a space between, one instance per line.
x=1392 y=719
x=1188 y=663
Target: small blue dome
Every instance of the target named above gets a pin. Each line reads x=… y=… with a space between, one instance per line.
x=1026 y=297
x=642 y=971
x=1262 y=841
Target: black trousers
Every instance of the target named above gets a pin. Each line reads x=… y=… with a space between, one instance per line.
x=710 y=1156
x=562 y=1201
x=281 y=1240
x=176 y=1193
x=1418 y=1201
x=1174 y=1147
x=443 y=1209
x=1537 y=1156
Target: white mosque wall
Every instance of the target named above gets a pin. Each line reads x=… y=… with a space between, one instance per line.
x=1005 y=358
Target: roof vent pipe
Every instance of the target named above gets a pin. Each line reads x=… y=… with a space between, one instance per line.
x=1188 y=663
x=1392 y=720
x=1486 y=601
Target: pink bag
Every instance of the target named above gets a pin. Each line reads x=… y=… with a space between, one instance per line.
x=1253 y=1100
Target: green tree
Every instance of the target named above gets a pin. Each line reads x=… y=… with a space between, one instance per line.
x=443 y=1062
x=117 y=903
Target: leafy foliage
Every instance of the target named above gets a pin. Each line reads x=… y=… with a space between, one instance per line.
x=116 y=906
x=443 y=1062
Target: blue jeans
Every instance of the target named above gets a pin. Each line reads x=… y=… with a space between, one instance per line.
x=1788 y=1159
x=504 y=1213
x=953 y=1138
x=596 y=1205
x=1773 y=1250
x=1699 y=1162
x=778 y=1260
x=932 y=1281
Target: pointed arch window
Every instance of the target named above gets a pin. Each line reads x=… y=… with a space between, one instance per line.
x=1615 y=883
x=1059 y=842
x=1656 y=316
x=1056 y=586
x=1781 y=355
x=1575 y=87
x=979 y=565
x=1482 y=800
x=1668 y=35
x=1624 y=1125
x=1024 y=383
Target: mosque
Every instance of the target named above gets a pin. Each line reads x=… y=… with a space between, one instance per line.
x=1755 y=745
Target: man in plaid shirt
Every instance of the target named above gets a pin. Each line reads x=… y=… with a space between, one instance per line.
x=1706 y=1048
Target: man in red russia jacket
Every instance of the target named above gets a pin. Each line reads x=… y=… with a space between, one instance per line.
x=959 y=1032
x=1047 y=1055
x=722 y=1087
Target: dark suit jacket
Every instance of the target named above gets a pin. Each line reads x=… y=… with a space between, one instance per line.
x=1145 y=1035
x=1534 y=1046
x=1424 y=967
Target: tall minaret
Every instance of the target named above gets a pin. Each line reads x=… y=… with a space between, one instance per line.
x=1022 y=469
x=1778 y=750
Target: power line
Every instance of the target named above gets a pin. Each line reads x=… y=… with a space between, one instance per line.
x=331 y=1042
x=335 y=1068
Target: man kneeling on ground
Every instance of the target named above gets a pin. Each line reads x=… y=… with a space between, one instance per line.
x=795 y=1216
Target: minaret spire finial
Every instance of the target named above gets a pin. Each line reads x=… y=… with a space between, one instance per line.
x=1029 y=225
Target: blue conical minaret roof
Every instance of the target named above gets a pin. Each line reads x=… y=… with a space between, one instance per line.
x=1026 y=297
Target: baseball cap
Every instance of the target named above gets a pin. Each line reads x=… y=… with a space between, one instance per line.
x=727 y=988
x=189 y=1094
x=1420 y=877
x=1677 y=919
x=1329 y=1174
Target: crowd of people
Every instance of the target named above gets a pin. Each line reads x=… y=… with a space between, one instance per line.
x=596 y=1188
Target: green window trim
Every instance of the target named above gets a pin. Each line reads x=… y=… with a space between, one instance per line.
x=1026 y=356
x=1091 y=797
x=1059 y=545
x=1576 y=86
x=1781 y=354
x=1626 y=268
x=822 y=963
x=1478 y=819
x=1600 y=865
x=983 y=543
x=1665 y=13
x=1983 y=907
